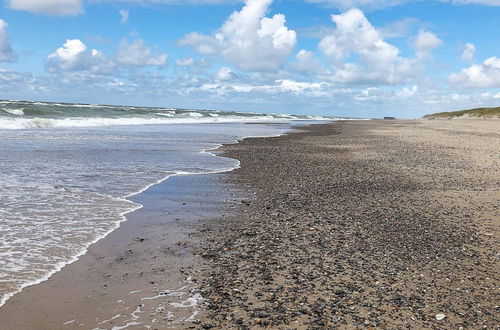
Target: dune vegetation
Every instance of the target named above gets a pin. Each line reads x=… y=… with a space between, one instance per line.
x=474 y=113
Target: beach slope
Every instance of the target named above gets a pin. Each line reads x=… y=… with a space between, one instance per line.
x=360 y=224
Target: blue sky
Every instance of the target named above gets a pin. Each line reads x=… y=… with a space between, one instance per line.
x=361 y=58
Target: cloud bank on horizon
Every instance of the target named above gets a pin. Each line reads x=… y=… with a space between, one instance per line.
x=334 y=57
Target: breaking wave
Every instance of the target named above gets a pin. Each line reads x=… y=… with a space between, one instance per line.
x=29 y=115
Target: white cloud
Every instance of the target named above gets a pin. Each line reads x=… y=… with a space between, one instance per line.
x=10 y=78
x=123 y=16
x=74 y=64
x=425 y=43
x=188 y=61
x=74 y=56
x=469 y=52
x=371 y=94
x=70 y=51
x=248 y=39
x=355 y=34
x=306 y=63
x=19 y=85
x=378 y=61
x=278 y=87
x=6 y=52
x=484 y=75
x=48 y=7
x=138 y=53
x=224 y=73
x=301 y=87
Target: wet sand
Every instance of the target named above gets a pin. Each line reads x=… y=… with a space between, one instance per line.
x=138 y=275
x=369 y=224
x=366 y=224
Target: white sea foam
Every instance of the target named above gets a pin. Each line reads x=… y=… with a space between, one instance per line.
x=35 y=256
x=193 y=118
x=17 y=112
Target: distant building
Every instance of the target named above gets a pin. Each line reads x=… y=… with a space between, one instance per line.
x=389 y=118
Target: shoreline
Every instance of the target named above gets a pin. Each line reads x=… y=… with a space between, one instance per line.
x=138 y=274
x=171 y=187
x=212 y=151
x=235 y=243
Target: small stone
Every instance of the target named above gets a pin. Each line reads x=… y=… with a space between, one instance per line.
x=440 y=317
x=263 y=315
x=207 y=326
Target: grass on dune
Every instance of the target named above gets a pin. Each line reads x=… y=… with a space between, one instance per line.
x=478 y=112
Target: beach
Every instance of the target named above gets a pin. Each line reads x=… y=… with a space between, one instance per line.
x=349 y=224
x=376 y=224
x=249 y=164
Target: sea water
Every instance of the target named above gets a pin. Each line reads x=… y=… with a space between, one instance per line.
x=67 y=171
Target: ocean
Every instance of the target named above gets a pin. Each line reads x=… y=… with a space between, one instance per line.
x=67 y=172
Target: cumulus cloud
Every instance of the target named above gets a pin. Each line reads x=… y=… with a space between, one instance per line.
x=306 y=63
x=248 y=39
x=74 y=61
x=123 y=16
x=355 y=34
x=469 y=52
x=484 y=75
x=48 y=7
x=74 y=56
x=137 y=53
x=425 y=43
x=378 y=61
x=6 y=52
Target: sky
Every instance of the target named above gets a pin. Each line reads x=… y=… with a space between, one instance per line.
x=358 y=58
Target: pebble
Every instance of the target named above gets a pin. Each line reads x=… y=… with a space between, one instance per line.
x=344 y=232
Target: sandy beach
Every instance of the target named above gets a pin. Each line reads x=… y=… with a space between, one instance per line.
x=355 y=224
x=376 y=224
x=249 y=164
